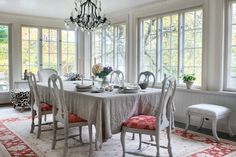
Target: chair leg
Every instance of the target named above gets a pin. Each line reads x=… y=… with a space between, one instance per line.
x=96 y=142
x=201 y=123
x=90 y=139
x=80 y=134
x=140 y=142
x=187 y=122
x=229 y=127
x=66 y=140
x=122 y=138
x=214 y=129
x=54 y=134
x=169 y=141
x=133 y=136
x=39 y=125
x=158 y=141
x=32 y=124
x=151 y=138
x=45 y=118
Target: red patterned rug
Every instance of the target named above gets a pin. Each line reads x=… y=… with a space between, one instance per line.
x=16 y=141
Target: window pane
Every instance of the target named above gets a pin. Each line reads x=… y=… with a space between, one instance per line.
x=172 y=45
x=30 y=54
x=68 y=46
x=169 y=49
x=149 y=42
x=49 y=48
x=109 y=47
x=4 y=66
x=231 y=82
x=193 y=44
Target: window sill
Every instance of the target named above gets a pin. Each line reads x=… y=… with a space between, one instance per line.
x=200 y=91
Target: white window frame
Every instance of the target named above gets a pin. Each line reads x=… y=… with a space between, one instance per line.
x=59 y=51
x=114 y=46
x=180 y=43
x=10 y=78
x=228 y=36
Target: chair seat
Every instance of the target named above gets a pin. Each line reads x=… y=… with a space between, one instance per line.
x=46 y=107
x=209 y=110
x=141 y=122
x=73 y=118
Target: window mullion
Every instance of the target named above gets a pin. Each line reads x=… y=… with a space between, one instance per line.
x=160 y=48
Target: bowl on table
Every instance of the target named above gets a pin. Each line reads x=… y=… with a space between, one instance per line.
x=143 y=85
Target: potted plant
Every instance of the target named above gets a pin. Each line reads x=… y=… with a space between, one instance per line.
x=189 y=80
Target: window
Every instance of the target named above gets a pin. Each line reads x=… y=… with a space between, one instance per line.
x=109 y=47
x=4 y=63
x=68 y=51
x=231 y=63
x=48 y=48
x=30 y=52
x=172 y=44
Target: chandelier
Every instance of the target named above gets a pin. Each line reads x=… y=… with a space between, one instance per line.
x=87 y=15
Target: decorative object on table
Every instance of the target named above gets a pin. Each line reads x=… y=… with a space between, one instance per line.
x=102 y=72
x=25 y=75
x=188 y=79
x=147 y=75
x=20 y=98
x=87 y=15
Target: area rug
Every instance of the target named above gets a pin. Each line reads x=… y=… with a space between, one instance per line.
x=16 y=141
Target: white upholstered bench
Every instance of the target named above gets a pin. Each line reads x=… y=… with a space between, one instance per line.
x=211 y=112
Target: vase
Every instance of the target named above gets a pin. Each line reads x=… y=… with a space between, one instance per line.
x=189 y=84
x=104 y=82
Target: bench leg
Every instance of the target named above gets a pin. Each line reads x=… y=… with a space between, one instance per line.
x=201 y=124
x=229 y=127
x=187 y=122
x=214 y=129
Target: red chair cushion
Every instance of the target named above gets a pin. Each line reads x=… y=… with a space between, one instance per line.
x=141 y=122
x=73 y=118
x=46 y=107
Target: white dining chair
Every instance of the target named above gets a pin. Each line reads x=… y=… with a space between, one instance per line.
x=37 y=107
x=147 y=76
x=117 y=76
x=152 y=125
x=62 y=115
x=44 y=74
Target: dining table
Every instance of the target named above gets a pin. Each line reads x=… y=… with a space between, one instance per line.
x=108 y=109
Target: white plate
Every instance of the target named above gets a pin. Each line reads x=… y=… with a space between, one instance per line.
x=83 y=86
x=136 y=90
x=97 y=90
x=83 y=90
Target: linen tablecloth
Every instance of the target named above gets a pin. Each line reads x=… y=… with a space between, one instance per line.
x=106 y=110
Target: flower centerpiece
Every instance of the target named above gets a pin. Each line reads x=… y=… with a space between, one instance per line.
x=101 y=72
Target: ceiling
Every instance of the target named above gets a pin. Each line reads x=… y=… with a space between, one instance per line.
x=61 y=8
